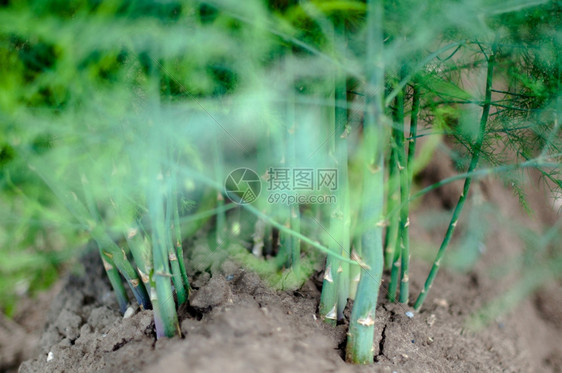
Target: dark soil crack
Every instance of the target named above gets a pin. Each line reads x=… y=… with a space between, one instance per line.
x=381 y=344
x=117 y=346
x=341 y=348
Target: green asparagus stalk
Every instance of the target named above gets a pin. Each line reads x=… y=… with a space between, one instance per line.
x=295 y=217
x=177 y=276
x=394 y=229
x=343 y=202
x=116 y=281
x=335 y=288
x=354 y=270
x=108 y=264
x=403 y=241
x=114 y=257
x=110 y=250
x=413 y=131
x=163 y=298
x=406 y=177
x=220 y=228
x=460 y=204
x=391 y=236
x=359 y=347
x=176 y=228
x=142 y=253
x=289 y=214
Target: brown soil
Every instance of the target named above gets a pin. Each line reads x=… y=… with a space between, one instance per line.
x=237 y=324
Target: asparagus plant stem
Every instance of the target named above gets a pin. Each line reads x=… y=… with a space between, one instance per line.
x=294 y=212
x=110 y=250
x=295 y=241
x=329 y=299
x=114 y=258
x=391 y=256
x=413 y=130
x=140 y=249
x=220 y=228
x=406 y=176
x=178 y=237
x=359 y=347
x=393 y=239
x=107 y=259
x=161 y=275
x=341 y=152
x=286 y=251
x=458 y=208
x=403 y=241
x=263 y=158
x=116 y=282
x=354 y=271
x=328 y=307
x=177 y=277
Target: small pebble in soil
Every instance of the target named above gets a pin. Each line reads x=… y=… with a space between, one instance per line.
x=431 y=320
x=410 y=314
x=50 y=356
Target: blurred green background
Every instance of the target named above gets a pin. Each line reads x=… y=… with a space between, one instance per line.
x=88 y=87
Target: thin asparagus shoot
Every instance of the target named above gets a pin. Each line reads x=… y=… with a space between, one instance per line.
x=176 y=228
x=220 y=229
x=116 y=281
x=295 y=217
x=403 y=241
x=177 y=276
x=163 y=296
x=110 y=250
x=394 y=197
x=335 y=288
x=406 y=177
x=391 y=255
x=340 y=139
x=460 y=204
